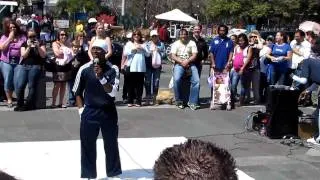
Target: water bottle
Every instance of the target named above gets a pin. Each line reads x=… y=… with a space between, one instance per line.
x=263 y=130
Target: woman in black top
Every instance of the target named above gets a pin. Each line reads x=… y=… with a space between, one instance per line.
x=28 y=71
x=80 y=57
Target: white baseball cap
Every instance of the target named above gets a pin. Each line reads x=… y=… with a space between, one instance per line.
x=101 y=43
x=153 y=33
x=92 y=20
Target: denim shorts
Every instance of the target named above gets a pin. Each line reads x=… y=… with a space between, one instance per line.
x=7 y=71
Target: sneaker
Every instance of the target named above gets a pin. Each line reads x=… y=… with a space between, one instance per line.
x=137 y=105
x=313 y=141
x=180 y=105
x=193 y=106
x=18 y=108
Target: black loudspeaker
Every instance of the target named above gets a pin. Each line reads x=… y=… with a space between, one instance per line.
x=282 y=105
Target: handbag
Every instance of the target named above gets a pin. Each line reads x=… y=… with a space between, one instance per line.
x=50 y=65
x=126 y=69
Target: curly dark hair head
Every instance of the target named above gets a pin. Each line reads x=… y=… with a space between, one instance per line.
x=223 y=26
x=195 y=160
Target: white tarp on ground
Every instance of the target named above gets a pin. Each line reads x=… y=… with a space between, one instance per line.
x=176 y=15
x=52 y=160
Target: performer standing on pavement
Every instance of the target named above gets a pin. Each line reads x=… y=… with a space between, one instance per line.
x=95 y=87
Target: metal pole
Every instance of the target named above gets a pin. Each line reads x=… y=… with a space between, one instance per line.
x=123 y=4
x=3 y=8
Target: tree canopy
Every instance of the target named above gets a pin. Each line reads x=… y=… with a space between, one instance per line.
x=71 y=6
x=251 y=11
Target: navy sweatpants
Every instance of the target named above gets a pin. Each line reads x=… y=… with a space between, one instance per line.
x=92 y=120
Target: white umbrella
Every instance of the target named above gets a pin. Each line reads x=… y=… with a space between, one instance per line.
x=310 y=26
x=176 y=15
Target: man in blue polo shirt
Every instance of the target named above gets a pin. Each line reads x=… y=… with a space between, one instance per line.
x=95 y=87
x=221 y=51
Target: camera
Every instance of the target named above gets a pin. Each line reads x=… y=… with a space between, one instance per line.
x=33 y=42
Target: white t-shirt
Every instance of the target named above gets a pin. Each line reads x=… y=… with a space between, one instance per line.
x=262 y=54
x=184 y=51
x=304 y=48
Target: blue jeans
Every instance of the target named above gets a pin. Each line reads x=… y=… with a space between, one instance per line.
x=152 y=79
x=178 y=74
x=71 y=96
x=7 y=73
x=23 y=75
x=234 y=78
x=277 y=75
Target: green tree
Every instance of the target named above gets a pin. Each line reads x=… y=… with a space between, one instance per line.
x=72 y=6
x=255 y=11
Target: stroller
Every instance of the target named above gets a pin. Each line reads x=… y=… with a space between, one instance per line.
x=221 y=94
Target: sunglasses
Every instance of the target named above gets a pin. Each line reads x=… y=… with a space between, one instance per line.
x=32 y=36
x=253 y=36
x=135 y=34
x=62 y=34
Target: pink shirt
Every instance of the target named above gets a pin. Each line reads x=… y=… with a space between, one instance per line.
x=13 y=49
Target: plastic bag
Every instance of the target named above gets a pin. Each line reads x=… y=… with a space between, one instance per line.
x=156 y=59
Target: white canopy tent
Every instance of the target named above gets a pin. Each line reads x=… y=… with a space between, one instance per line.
x=4 y=4
x=177 y=15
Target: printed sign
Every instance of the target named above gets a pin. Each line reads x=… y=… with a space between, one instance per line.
x=61 y=24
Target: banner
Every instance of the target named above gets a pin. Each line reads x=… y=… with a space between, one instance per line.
x=61 y=24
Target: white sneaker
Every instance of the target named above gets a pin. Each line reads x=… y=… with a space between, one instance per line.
x=313 y=141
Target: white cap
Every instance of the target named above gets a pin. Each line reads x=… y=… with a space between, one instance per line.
x=101 y=43
x=153 y=33
x=129 y=35
x=33 y=15
x=92 y=20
